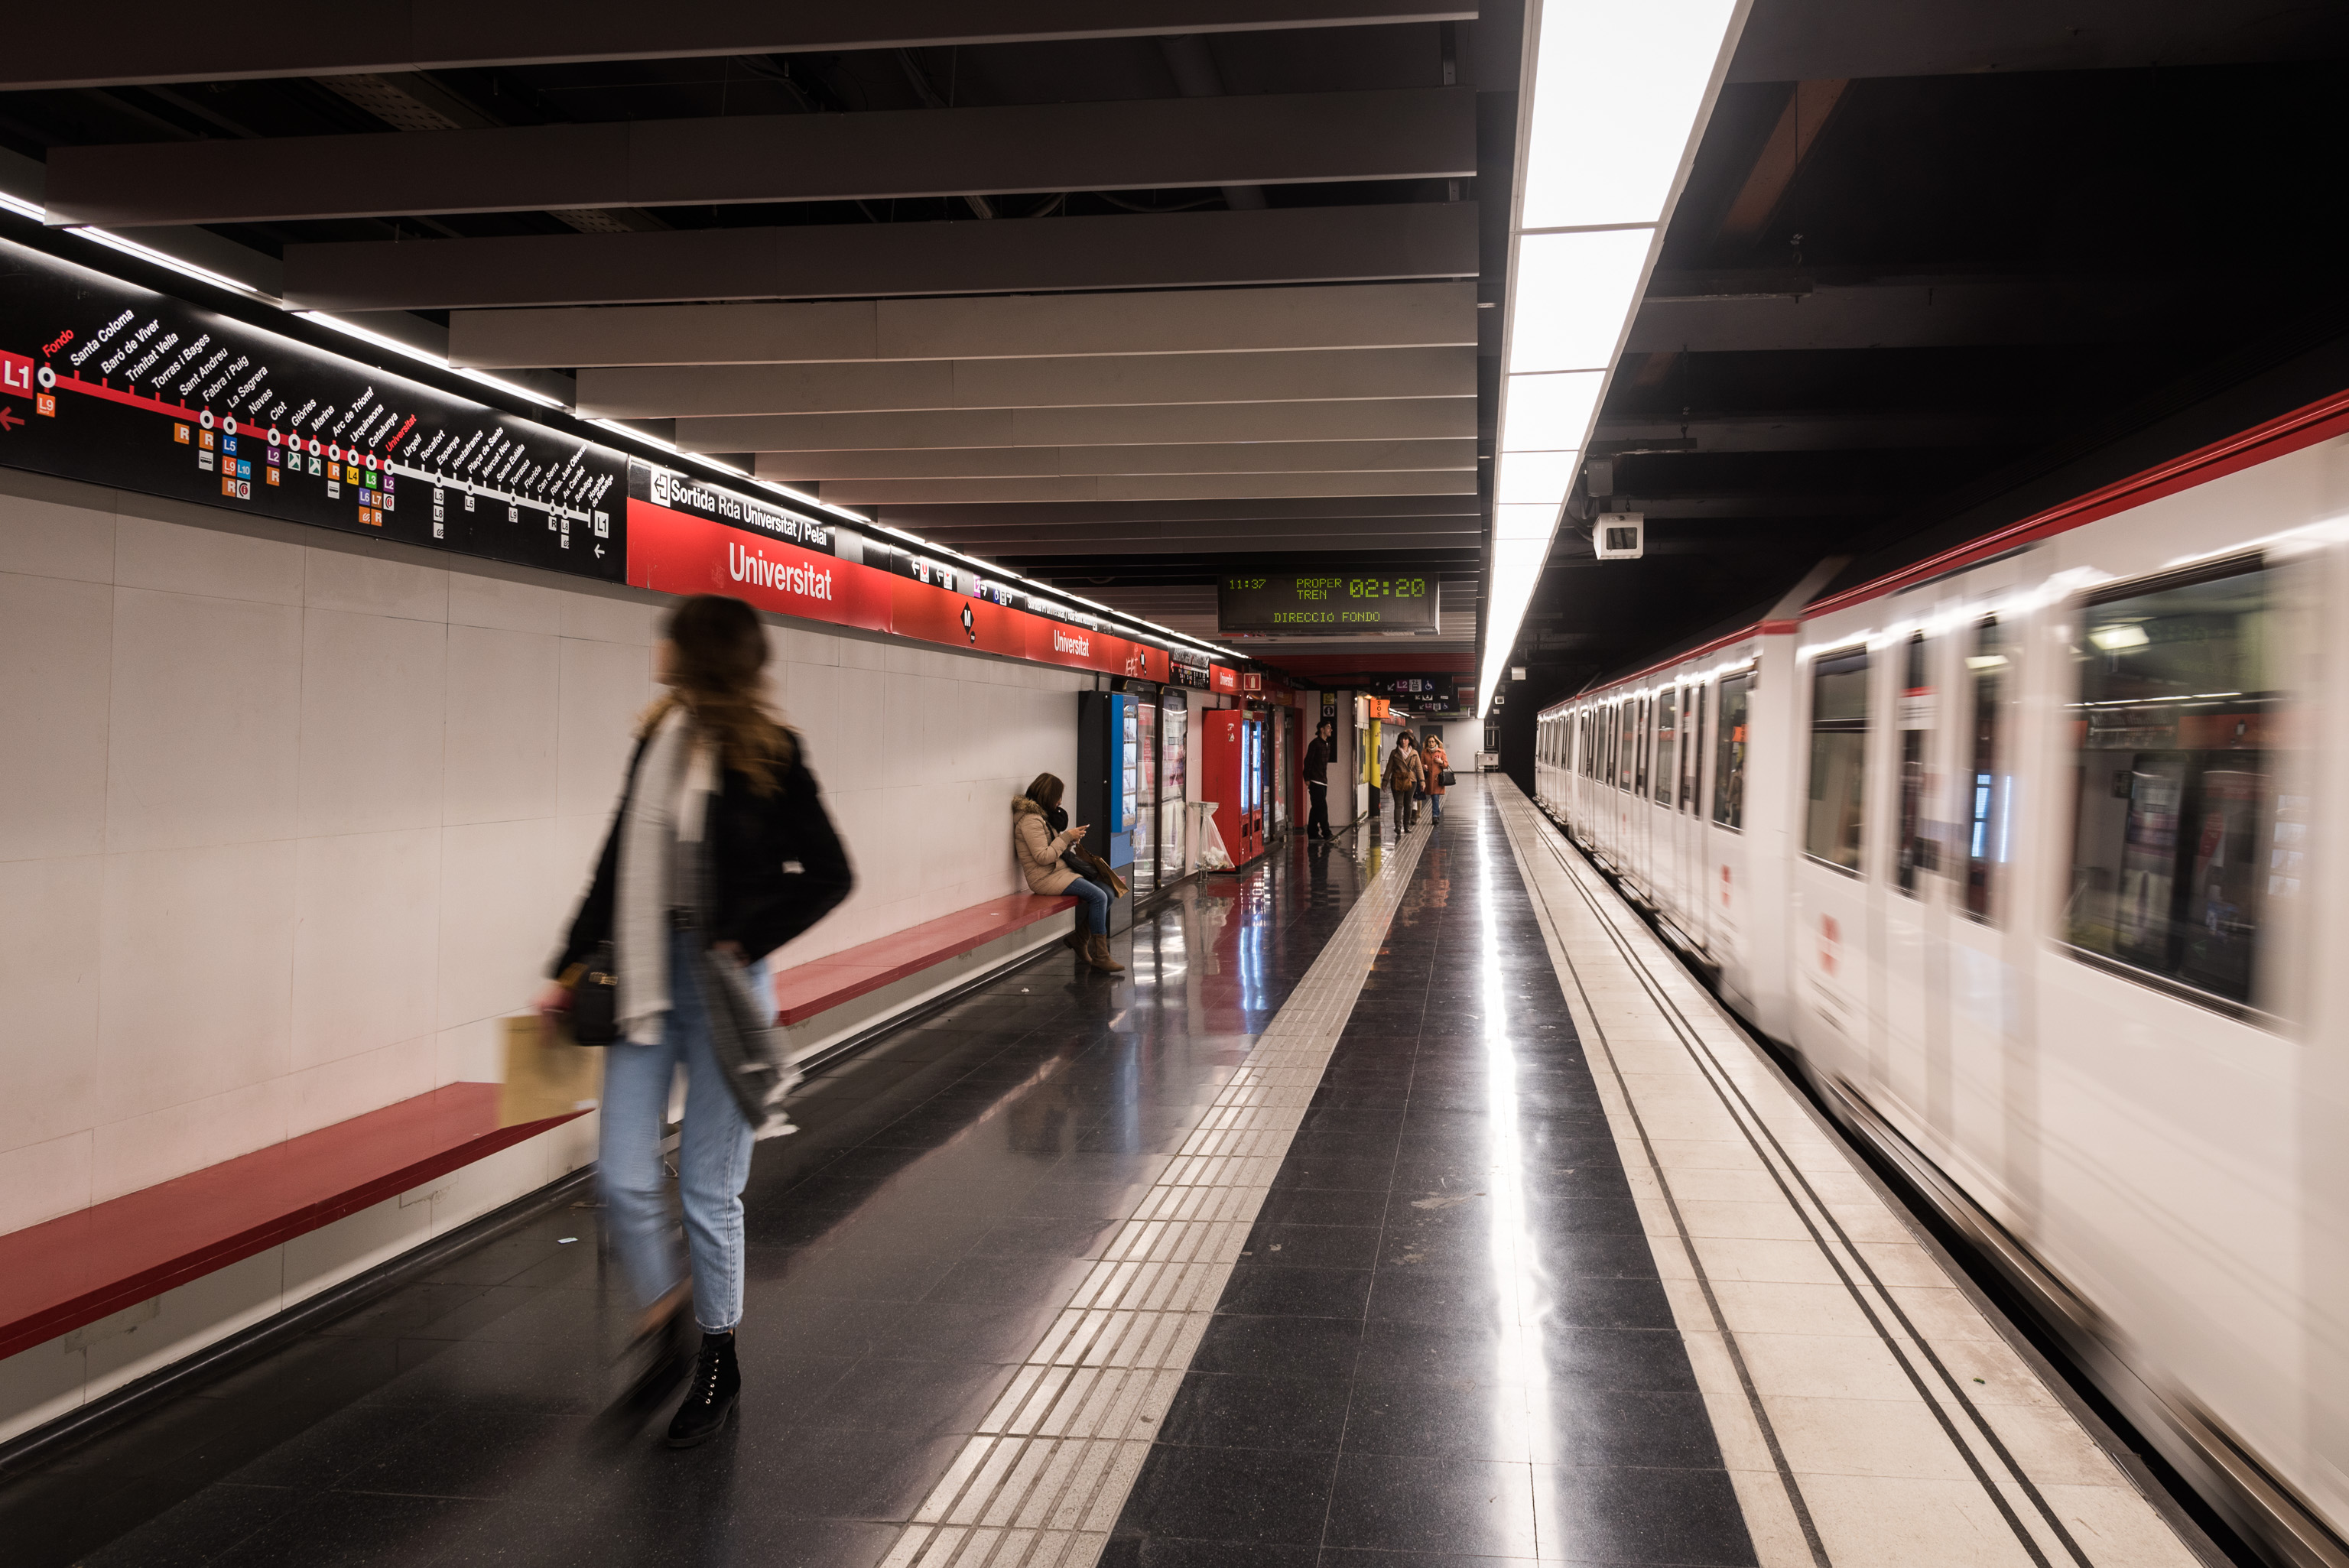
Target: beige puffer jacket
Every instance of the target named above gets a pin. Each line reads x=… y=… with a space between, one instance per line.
x=1038 y=849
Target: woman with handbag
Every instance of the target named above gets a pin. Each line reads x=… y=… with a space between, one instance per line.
x=1438 y=774
x=1404 y=777
x=719 y=853
x=1043 y=855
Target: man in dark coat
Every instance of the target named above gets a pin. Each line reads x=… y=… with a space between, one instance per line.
x=1317 y=780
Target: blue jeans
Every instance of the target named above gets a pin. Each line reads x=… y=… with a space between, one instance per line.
x=1435 y=808
x=713 y=1157
x=1092 y=903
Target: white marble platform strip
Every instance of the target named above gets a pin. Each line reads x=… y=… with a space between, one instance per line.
x=1869 y=1406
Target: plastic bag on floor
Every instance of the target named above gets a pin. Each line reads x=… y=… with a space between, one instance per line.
x=1213 y=856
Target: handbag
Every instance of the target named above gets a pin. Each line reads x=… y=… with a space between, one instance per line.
x=1445 y=778
x=596 y=999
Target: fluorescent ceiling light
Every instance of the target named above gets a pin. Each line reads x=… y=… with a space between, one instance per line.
x=22 y=208
x=540 y=398
x=619 y=429
x=1543 y=477
x=157 y=258
x=1574 y=294
x=1617 y=92
x=1550 y=413
x=1525 y=520
x=378 y=339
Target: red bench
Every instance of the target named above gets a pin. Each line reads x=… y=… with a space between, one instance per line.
x=70 y=1272
x=821 y=985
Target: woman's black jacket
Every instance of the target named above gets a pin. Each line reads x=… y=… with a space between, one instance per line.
x=779 y=864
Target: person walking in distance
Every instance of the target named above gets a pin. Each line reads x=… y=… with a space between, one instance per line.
x=1403 y=776
x=1436 y=762
x=1317 y=780
x=719 y=853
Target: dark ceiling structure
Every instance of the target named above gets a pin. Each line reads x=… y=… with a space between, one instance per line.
x=1120 y=296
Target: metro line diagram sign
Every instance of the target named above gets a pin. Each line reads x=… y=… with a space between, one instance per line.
x=115 y=384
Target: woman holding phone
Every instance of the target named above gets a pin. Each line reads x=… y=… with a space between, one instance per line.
x=1039 y=851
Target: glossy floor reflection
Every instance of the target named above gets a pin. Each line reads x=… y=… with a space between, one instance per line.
x=907 y=1248
x=1448 y=1339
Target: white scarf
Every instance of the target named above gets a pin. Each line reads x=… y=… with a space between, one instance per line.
x=665 y=808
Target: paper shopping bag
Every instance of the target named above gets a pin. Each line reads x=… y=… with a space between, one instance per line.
x=547 y=1073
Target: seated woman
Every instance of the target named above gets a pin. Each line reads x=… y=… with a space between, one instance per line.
x=1038 y=849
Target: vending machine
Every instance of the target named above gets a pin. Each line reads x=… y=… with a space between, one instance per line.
x=1231 y=752
x=1105 y=794
x=1173 y=783
x=1145 y=797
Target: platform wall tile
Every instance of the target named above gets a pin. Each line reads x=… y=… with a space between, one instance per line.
x=56 y=680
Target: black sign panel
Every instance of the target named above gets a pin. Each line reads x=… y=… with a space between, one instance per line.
x=1414 y=694
x=116 y=385
x=1326 y=604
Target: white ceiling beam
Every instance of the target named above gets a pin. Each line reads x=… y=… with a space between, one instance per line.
x=1361 y=419
x=1146 y=487
x=1269 y=139
x=1030 y=462
x=96 y=45
x=1305 y=376
x=1000 y=327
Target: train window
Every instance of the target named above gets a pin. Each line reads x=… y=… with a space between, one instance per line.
x=1915 y=849
x=1831 y=833
x=1691 y=744
x=2181 y=843
x=1729 y=715
x=1668 y=714
x=1989 y=669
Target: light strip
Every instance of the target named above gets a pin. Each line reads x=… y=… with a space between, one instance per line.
x=156 y=258
x=1614 y=101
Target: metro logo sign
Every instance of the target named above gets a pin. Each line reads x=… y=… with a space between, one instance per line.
x=15 y=374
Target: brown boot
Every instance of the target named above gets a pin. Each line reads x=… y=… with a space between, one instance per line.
x=1097 y=955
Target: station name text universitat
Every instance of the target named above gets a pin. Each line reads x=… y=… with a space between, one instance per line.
x=748 y=566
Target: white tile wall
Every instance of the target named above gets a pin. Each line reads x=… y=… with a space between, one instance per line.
x=289 y=827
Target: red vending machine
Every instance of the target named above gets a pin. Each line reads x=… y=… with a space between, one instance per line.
x=1231 y=753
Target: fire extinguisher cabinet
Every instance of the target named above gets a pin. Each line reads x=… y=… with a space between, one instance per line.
x=1231 y=752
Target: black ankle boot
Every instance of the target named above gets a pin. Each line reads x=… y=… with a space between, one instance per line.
x=709 y=1395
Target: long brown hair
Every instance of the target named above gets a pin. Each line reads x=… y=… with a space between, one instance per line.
x=720 y=650
x=1046 y=790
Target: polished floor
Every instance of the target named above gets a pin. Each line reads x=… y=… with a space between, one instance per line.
x=1447 y=1338
x=908 y=1247
x=1405 y=1205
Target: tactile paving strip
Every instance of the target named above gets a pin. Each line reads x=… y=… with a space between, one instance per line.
x=1042 y=1481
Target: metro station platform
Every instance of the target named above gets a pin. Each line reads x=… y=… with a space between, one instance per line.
x=1403 y=1203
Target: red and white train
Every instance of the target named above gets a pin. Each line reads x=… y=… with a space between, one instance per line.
x=2020 y=851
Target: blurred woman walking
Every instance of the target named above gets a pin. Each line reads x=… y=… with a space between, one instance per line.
x=719 y=853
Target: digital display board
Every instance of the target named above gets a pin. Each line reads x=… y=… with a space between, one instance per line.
x=115 y=384
x=1325 y=604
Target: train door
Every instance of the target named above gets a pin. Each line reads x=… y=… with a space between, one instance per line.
x=1686 y=823
x=1836 y=710
x=1663 y=790
x=1728 y=866
x=1989 y=1088
x=1914 y=908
